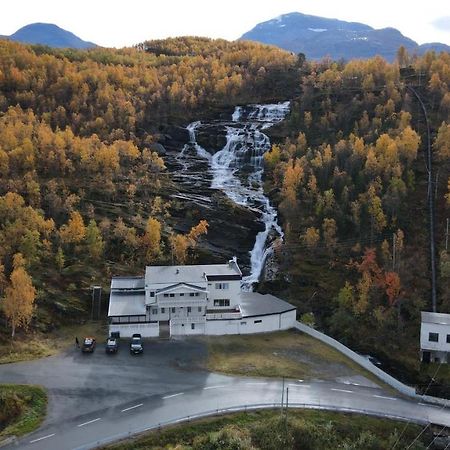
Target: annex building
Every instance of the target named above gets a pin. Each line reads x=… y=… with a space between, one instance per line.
x=435 y=337
x=189 y=300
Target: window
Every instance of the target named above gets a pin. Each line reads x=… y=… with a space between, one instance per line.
x=191 y=294
x=199 y=309
x=166 y=295
x=243 y=323
x=173 y=310
x=222 y=285
x=257 y=321
x=448 y=338
x=163 y=310
x=171 y=295
x=192 y=326
x=152 y=294
x=197 y=294
x=155 y=311
x=433 y=337
x=222 y=302
x=189 y=309
x=182 y=294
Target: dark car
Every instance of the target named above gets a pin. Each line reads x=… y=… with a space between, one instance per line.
x=112 y=345
x=88 y=345
x=136 y=346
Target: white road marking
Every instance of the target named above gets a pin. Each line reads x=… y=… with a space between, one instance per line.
x=307 y=386
x=386 y=398
x=41 y=438
x=342 y=390
x=214 y=387
x=132 y=407
x=433 y=406
x=256 y=384
x=300 y=381
x=173 y=395
x=91 y=421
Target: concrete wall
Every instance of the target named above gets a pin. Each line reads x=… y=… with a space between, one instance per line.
x=249 y=325
x=127 y=330
x=186 y=330
x=388 y=379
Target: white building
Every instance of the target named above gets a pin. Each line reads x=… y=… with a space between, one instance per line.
x=435 y=337
x=189 y=300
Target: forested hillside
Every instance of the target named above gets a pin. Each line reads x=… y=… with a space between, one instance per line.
x=83 y=191
x=351 y=183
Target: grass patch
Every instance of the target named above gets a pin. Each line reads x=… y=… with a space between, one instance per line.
x=22 y=409
x=26 y=347
x=266 y=430
x=289 y=354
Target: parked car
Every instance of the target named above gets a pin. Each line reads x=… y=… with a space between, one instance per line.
x=88 y=345
x=112 y=345
x=373 y=360
x=136 y=346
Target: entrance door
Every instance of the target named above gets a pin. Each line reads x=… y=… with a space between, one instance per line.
x=426 y=357
x=164 y=329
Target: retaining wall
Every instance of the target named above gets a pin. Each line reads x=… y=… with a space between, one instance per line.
x=366 y=364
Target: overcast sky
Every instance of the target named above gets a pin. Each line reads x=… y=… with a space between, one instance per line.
x=118 y=23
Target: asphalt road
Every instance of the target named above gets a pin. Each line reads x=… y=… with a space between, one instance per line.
x=96 y=398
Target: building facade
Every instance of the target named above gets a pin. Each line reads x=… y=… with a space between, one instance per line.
x=192 y=300
x=435 y=337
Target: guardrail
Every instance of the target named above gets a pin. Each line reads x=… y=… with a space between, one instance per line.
x=366 y=364
x=245 y=408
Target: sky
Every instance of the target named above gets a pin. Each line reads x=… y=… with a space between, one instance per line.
x=119 y=23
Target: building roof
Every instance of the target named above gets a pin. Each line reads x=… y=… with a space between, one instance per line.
x=255 y=304
x=126 y=304
x=438 y=318
x=128 y=283
x=189 y=274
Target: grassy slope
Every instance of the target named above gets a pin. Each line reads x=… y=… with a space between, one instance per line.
x=281 y=354
x=29 y=404
x=346 y=426
x=40 y=345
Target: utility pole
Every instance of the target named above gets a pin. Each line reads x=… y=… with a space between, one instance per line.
x=430 y=202
x=446 y=237
x=393 y=251
x=282 y=397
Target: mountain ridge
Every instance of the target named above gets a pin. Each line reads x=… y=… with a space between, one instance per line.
x=48 y=34
x=318 y=37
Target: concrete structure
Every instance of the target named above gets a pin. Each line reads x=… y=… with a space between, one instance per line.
x=435 y=337
x=192 y=300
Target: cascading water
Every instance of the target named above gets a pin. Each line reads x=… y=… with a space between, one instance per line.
x=238 y=167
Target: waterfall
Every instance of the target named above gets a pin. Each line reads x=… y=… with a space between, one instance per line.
x=237 y=170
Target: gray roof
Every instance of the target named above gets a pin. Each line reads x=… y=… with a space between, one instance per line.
x=128 y=283
x=188 y=274
x=439 y=318
x=126 y=304
x=255 y=304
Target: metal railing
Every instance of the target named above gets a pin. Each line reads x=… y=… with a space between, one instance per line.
x=246 y=408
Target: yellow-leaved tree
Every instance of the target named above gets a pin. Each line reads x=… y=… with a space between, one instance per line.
x=152 y=239
x=74 y=231
x=20 y=295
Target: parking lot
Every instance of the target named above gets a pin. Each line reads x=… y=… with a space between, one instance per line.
x=83 y=382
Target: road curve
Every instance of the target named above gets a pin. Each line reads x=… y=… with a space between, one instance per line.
x=89 y=430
